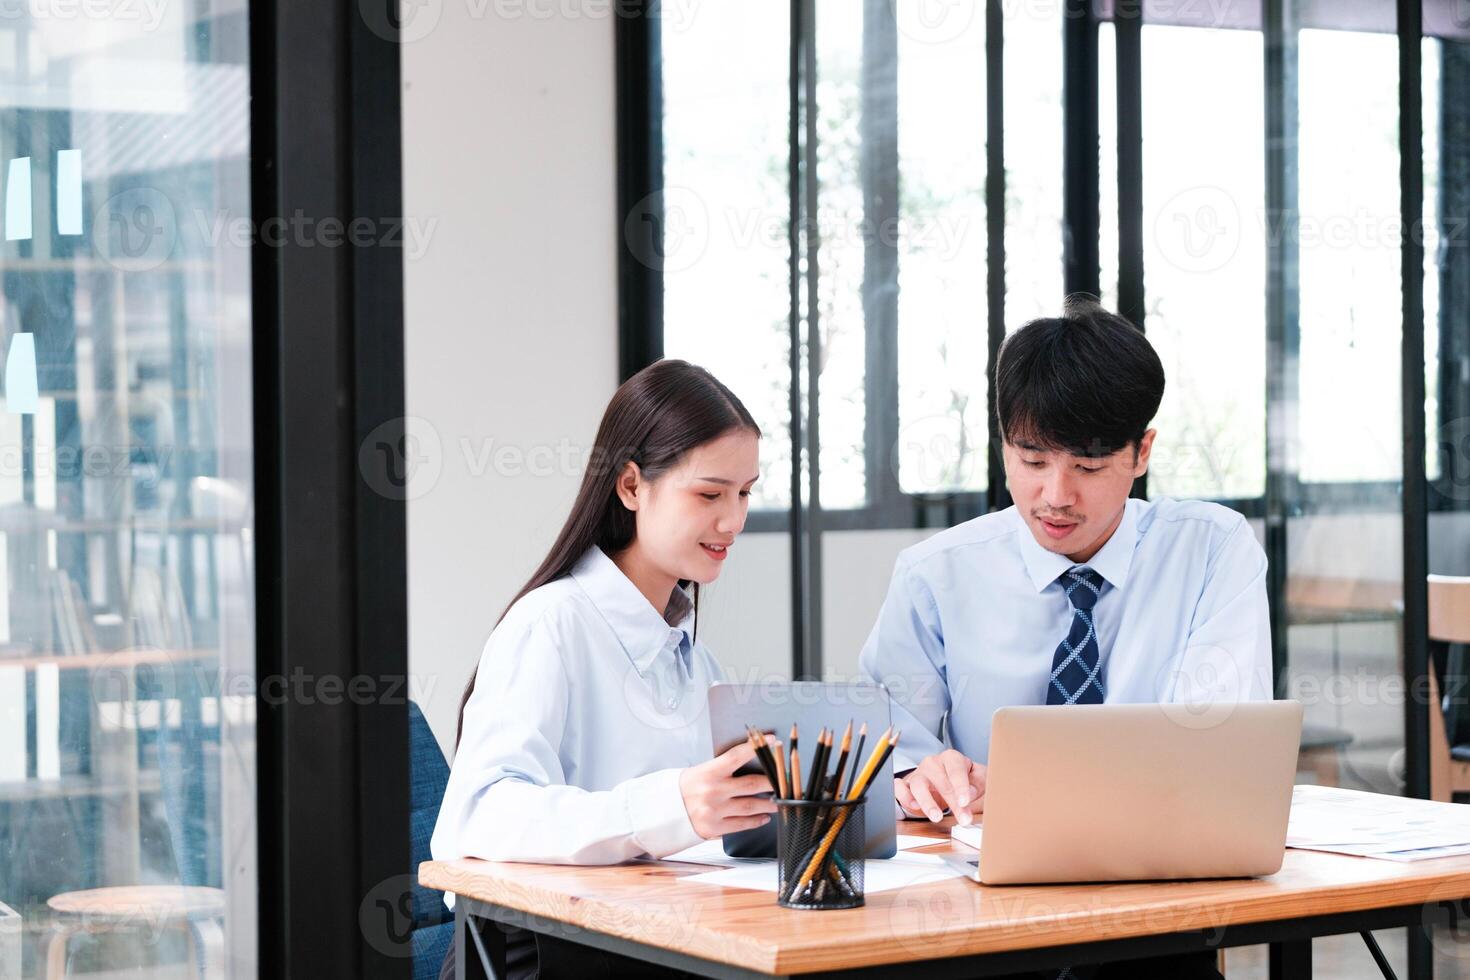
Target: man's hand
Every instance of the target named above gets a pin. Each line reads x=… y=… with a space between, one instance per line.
x=947 y=781
x=720 y=802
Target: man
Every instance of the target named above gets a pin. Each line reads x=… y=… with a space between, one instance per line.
x=1076 y=594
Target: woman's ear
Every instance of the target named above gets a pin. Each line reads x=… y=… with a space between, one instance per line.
x=629 y=480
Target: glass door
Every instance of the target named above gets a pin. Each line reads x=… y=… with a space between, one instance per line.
x=127 y=601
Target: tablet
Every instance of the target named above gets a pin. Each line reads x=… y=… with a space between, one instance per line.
x=813 y=705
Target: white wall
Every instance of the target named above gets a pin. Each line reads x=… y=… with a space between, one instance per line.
x=511 y=311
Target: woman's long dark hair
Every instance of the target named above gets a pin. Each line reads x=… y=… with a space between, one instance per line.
x=654 y=418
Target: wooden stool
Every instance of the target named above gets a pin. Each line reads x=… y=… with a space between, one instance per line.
x=199 y=911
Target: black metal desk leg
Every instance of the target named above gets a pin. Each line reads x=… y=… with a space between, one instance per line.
x=479 y=947
x=1291 y=960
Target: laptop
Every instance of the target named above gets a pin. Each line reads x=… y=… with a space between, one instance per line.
x=1132 y=792
x=812 y=705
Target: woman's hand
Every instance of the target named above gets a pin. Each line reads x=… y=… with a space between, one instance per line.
x=947 y=781
x=719 y=802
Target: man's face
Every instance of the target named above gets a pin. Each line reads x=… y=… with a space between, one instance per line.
x=1072 y=504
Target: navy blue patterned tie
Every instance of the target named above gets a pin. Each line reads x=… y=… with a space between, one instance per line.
x=1075 y=669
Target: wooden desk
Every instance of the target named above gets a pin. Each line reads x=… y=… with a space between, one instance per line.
x=954 y=926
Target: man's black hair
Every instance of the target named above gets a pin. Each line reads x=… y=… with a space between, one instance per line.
x=1087 y=382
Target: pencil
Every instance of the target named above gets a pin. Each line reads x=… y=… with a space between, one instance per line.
x=842 y=759
x=862 y=738
x=795 y=767
x=780 y=756
x=791 y=779
x=819 y=766
x=763 y=757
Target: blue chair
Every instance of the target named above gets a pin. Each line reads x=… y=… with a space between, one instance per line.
x=428 y=775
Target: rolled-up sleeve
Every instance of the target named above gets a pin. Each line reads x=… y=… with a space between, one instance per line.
x=905 y=652
x=508 y=798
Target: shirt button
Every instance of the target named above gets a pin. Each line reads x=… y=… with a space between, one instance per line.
x=672 y=703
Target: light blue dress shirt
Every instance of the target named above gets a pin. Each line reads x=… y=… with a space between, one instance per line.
x=974 y=615
x=587 y=704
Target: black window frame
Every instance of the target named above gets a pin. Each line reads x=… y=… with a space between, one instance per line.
x=332 y=794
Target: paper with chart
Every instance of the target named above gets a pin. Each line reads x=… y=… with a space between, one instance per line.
x=1395 y=828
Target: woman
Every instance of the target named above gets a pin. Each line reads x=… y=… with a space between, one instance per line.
x=582 y=736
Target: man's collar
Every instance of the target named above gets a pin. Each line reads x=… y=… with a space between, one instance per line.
x=1111 y=562
x=638 y=627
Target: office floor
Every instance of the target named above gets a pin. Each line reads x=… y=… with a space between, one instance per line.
x=1347 y=958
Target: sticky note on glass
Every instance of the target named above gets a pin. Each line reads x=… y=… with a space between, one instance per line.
x=18 y=199
x=20 y=375
x=69 y=192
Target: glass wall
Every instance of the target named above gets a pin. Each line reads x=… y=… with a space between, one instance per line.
x=127 y=833
x=1345 y=542
x=1204 y=258
x=727 y=281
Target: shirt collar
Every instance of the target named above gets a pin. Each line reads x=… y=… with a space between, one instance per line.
x=1111 y=562
x=643 y=633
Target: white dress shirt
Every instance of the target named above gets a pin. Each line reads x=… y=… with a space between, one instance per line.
x=975 y=613
x=587 y=704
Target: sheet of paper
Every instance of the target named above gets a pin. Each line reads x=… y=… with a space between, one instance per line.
x=878 y=875
x=710 y=852
x=969 y=836
x=908 y=842
x=1395 y=828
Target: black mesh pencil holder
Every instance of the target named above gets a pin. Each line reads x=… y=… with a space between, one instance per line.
x=819 y=853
